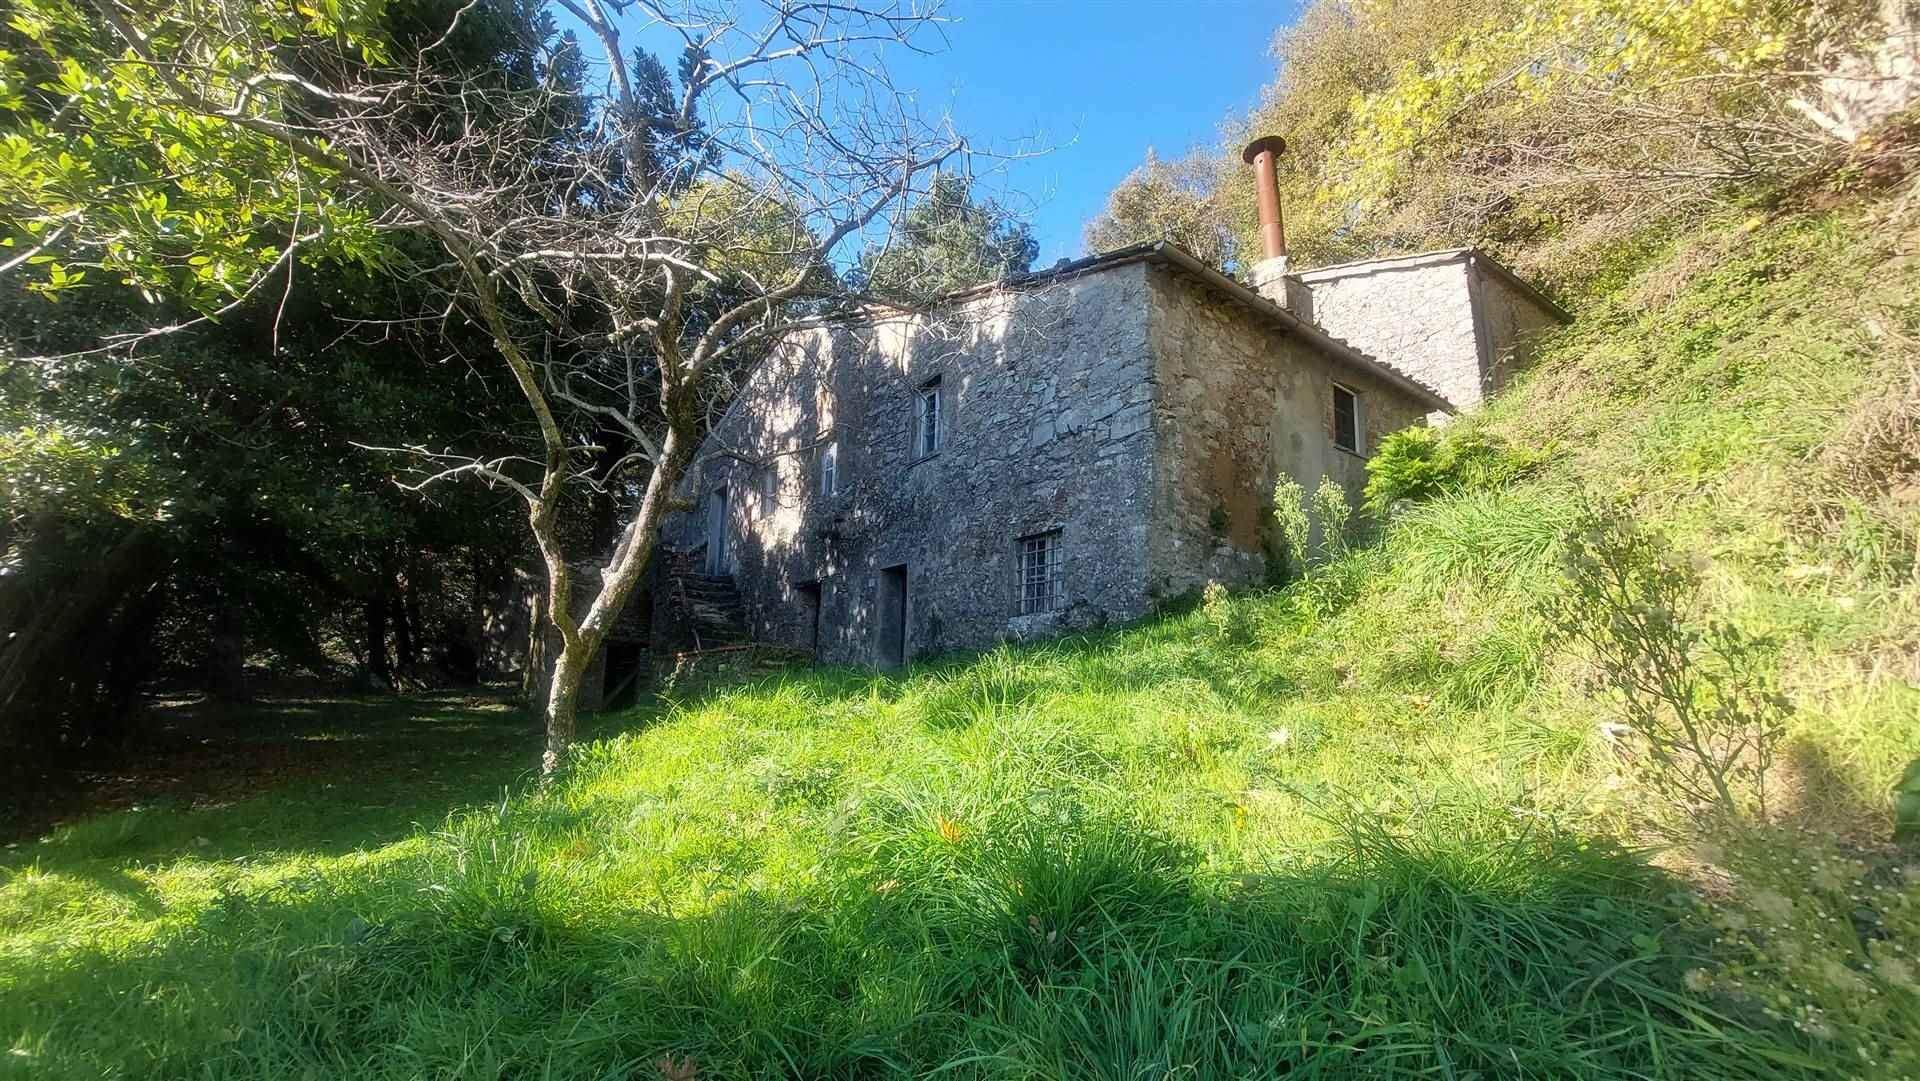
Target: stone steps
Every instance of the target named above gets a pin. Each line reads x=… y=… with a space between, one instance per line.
x=707 y=607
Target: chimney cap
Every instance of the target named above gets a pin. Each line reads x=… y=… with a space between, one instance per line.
x=1261 y=145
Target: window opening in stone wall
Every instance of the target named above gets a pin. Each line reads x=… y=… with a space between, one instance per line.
x=926 y=419
x=1042 y=574
x=769 y=487
x=1346 y=419
x=830 y=468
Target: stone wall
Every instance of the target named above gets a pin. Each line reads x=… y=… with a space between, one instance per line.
x=1415 y=315
x=1512 y=324
x=1046 y=398
x=1445 y=318
x=1242 y=403
x=541 y=651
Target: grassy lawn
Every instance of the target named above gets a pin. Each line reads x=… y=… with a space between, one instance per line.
x=1092 y=859
x=345 y=768
x=1364 y=827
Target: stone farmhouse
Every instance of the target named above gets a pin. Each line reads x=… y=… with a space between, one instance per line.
x=1069 y=448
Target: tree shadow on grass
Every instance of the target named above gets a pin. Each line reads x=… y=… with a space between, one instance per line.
x=1086 y=948
x=1812 y=792
x=313 y=777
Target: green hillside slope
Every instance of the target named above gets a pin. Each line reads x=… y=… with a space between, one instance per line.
x=1364 y=827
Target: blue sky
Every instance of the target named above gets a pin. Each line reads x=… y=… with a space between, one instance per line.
x=1098 y=80
x=1101 y=81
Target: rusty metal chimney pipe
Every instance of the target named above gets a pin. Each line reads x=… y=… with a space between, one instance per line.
x=1261 y=154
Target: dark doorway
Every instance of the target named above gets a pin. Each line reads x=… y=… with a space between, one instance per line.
x=892 y=620
x=626 y=671
x=809 y=594
x=717 y=532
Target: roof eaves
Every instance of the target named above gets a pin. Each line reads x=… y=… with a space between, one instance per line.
x=1385 y=262
x=1338 y=348
x=1519 y=285
x=1164 y=251
x=1472 y=255
x=1060 y=271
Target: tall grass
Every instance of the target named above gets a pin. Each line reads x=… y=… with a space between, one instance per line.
x=985 y=939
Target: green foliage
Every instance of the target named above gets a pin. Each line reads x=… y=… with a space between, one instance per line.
x=1042 y=893
x=204 y=505
x=1336 y=583
x=1508 y=537
x=98 y=169
x=1906 y=803
x=1290 y=519
x=1379 y=817
x=1401 y=118
x=1702 y=701
x=1228 y=619
x=1334 y=515
x=1385 y=844
x=52 y=471
x=1296 y=515
x=1818 y=935
x=1163 y=200
x=947 y=241
x=761 y=241
x=1418 y=464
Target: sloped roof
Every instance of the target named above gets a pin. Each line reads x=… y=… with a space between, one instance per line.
x=1477 y=256
x=1168 y=254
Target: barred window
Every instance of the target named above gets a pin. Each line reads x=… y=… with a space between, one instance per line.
x=1042 y=577
x=926 y=419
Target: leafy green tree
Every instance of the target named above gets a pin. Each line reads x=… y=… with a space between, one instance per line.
x=1544 y=128
x=295 y=133
x=198 y=496
x=948 y=240
x=1161 y=200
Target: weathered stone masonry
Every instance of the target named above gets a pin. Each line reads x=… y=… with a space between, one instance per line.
x=1047 y=425
x=1456 y=320
x=1137 y=406
x=1244 y=403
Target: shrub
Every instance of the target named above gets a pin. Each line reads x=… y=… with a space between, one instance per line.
x=1906 y=804
x=1332 y=511
x=1229 y=622
x=1335 y=586
x=1701 y=699
x=1290 y=518
x=1418 y=464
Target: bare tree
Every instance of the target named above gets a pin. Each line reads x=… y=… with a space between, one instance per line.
x=622 y=275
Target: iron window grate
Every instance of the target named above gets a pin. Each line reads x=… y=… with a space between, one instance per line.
x=1042 y=574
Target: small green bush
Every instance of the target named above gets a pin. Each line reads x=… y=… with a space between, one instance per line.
x=1290 y=518
x=1230 y=622
x=1418 y=464
x=1906 y=804
x=1335 y=514
x=1701 y=699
